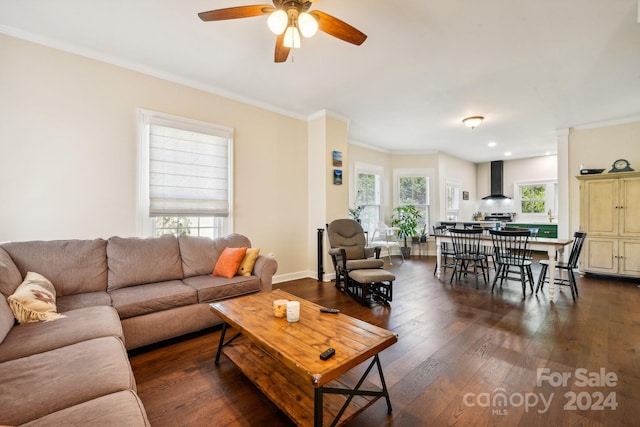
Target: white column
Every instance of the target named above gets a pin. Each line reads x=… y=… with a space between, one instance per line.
x=564 y=175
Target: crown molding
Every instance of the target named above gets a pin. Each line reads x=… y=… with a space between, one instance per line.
x=610 y=122
x=139 y=68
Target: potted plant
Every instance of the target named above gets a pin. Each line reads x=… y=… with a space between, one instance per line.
x=355 y=212
x=423 y=233
x=406 y=218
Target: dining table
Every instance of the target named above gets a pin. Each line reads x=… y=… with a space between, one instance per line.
x=553 y=247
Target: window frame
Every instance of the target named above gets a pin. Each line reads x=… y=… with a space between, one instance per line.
x=550 y=199
x=378 y=171
x=452 y=213
x=426 y=173
x=144 y=223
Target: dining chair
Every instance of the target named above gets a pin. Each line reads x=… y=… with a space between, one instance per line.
x=446 y=250
x=449 y=224
x=569 y=266
x=468 y=255
x=512 y=257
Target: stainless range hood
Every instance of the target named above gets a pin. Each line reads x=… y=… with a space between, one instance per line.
x=496 y=181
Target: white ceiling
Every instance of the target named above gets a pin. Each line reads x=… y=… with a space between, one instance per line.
x=530 y=67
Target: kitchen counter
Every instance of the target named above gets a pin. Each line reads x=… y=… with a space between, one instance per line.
x=460 y=224
x=545 y=229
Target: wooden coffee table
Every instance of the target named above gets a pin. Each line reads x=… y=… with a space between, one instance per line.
x=283 y=359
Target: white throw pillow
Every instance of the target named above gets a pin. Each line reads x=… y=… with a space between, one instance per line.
x=34 y=300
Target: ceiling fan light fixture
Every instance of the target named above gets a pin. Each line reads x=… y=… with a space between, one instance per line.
x=473 y=121
x=291 y=38
x=307 y=24
x=278 y=21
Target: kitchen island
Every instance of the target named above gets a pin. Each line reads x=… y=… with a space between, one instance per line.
x=545 y=229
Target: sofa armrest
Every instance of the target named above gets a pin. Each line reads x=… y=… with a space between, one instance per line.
x=265 y=267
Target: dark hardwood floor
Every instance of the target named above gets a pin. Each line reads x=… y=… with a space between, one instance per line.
x=464 y=357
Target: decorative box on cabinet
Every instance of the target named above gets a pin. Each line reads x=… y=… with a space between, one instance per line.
x=610 y=215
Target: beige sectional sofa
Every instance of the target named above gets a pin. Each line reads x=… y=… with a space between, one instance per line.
x=116 y=295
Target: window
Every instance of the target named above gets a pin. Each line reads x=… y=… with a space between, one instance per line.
x=209 y=226
x=368 y=195
x=413 y=189
x=537 y=199
x=532 y=199
x=453 y=201
x=185 y=176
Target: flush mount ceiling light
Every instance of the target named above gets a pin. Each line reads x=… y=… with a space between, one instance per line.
x=473 y=121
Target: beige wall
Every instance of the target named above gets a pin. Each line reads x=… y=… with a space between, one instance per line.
x=598 y=148
x=68 y=152
x=443 y=167
x=362 y=154
x=327 y=201
x=460 y=172
x=68 y=156
x=430 y=162
x=515 y=171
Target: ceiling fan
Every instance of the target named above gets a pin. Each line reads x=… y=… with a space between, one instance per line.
x=288 y=19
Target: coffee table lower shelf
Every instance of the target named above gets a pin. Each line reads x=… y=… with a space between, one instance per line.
x=292 y=393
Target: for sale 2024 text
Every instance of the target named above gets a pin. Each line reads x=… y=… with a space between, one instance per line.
x=581 y=377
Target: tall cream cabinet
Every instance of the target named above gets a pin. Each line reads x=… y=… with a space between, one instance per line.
x=610 y=215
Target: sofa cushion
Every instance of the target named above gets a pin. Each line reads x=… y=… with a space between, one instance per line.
x=89 y=299
x=229 y=262
x=236 y=240
x=200 y=254
x=212 y=288
x=34 y=300
x=73 y=266
x=122 y=408
x=7 y=320
x=134 y=261
x=35 y=386
x=249 y=260
x=78 y=325
x=152 y=297
x=10 y=277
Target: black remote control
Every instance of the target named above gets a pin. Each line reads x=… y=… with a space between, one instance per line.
x=327 y=353
x=329 y=310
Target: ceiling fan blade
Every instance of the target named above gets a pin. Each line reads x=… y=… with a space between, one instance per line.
x=338 y=28
x=236 y=12
x=282 y=52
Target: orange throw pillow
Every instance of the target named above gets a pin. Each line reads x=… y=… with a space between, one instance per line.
x=229 y=262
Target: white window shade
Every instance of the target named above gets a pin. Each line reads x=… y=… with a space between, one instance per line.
x=188 y=172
